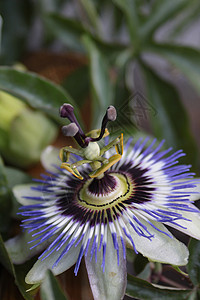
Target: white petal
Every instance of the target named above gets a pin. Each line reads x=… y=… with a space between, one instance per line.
x=111 y=283
x=23 y=190
x=50 y=157
x=37 y=273
x=161 y=248
x=196 y=190
x=192 y=227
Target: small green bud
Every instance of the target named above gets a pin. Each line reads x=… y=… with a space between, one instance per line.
x=24 y=132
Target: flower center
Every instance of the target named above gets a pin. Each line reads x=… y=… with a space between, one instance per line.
x=112 y=188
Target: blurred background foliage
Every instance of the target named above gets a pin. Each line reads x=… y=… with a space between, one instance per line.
x=139 y=55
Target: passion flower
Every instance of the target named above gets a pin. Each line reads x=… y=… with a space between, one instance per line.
x=100 y=200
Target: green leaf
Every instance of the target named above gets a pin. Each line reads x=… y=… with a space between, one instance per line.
x=129 y=8
x=68 y=30
x=193 y=266
x=171 y=121
x=140 y=263
x=146 y=273
x=143 y=290
x=161 y=12
x=186 y=59
x=4 y=258
x=1 y=23
x=124 y=122
x=14 y=37
x=36 y=91
x=100 y=81
x=50 y=289
x=77 y=84
x=190 y=16
x=15 y=176
x=5 y=200
x=91 y=13
x=18 y=272
x=194 y=295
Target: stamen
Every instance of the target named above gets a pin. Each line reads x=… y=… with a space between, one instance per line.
x=67 y=111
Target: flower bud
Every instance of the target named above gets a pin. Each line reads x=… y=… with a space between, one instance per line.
x=24 y=132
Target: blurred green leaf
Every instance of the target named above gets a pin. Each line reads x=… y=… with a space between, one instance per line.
x=90 y=9
x=50 y=289
x=122 y=103
x=101 y=83
x=193 y=266
x=1 y=24
x=143 y=290
x=161 y=12
x=36 y=91
x=15 y=176
x=188 y=18
x=5 y=200
x=171 y=121
x=140 y=263
x=68 y=30
x=4 y=258
x=129 y=7
x=18 y=272
x=50 y=5
x=3 y=182
x=186 y=59
x=77 y=84
x=4 y=137
x=194 y=295
x=146 y=272
x=118 y=18
x=16 y=16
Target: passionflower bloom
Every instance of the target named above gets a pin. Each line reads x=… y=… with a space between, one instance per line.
x=101 y=200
